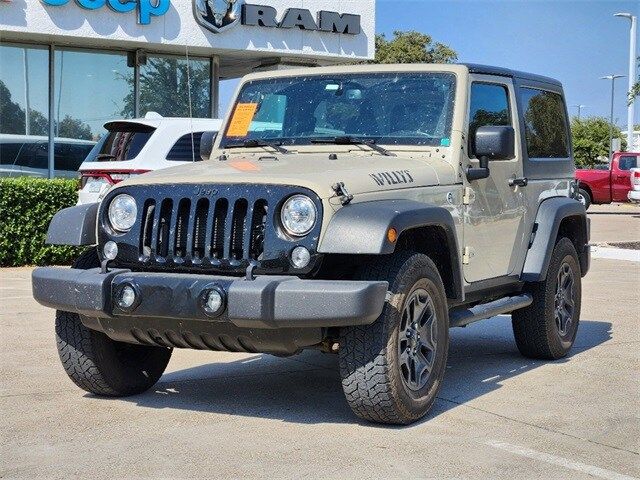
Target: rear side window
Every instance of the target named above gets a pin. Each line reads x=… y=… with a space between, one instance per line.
x=627 y=162
x=545 y=124
x=182 y=149
x=9 y=153
x=70 y=156
x=123 y=142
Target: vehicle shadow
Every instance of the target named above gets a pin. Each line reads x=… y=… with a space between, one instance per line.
x=306 y=388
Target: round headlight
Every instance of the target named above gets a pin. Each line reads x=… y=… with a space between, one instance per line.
x=122 y=212
x=298 y=215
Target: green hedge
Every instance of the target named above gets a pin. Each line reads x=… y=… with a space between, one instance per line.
x=26 y=208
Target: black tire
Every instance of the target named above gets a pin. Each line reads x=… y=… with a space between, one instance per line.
x=102 y=366
x=374 y=378
x=542 y=330
x=585 y=198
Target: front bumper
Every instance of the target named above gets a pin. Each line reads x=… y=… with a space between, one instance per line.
x=267 y=302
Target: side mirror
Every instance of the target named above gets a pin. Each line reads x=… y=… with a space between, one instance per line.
x=495 y=143
x=206 y=144
x=491 y=143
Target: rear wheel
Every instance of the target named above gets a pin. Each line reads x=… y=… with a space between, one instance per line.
x=392 y=369
x=100 y=365
x=547 y=328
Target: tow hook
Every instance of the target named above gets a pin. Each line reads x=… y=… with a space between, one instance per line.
x=249 y=273
x=341 y=191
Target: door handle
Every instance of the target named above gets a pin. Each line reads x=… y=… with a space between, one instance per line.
x=518 y=182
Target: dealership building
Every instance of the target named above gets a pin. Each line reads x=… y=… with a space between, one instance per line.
x=68 y=66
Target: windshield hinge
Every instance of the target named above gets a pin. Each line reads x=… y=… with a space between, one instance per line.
x=466 y=256
x=341 y=191
x=468 y=196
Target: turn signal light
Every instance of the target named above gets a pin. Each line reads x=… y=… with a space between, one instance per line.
x=392 y=235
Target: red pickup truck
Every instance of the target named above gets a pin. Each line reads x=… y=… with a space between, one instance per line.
x=611 y=184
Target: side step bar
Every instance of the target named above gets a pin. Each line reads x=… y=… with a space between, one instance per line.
x=460 y=318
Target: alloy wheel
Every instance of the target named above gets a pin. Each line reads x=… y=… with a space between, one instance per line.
x=564 y=303
x=417 y=339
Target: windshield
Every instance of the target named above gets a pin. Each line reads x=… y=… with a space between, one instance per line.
x=388 y=108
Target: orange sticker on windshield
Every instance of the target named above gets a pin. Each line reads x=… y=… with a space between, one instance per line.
x=241 y=120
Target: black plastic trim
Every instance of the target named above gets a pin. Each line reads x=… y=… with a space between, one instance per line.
x=550 y=215
x=361 y=229
x=75 y=226
x=268 y=302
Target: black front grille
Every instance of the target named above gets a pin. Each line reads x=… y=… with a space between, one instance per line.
x=210 y=230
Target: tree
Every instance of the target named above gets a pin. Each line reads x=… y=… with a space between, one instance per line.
x=12 y=116
x=591 y=139
x=74 y=128
x=412 y=47
x=39 y=123
x=164 y=88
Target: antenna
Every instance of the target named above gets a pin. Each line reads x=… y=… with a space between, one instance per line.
x=193 y=147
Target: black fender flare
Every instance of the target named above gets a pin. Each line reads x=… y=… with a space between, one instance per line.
x=74 y=226
x=361 y=229
x=549 y=217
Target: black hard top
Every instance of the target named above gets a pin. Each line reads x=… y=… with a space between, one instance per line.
x=506 y=72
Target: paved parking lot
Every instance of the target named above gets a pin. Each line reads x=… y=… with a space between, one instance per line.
x=217 y=415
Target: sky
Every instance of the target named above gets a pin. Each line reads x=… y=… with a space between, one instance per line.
x=576 y=42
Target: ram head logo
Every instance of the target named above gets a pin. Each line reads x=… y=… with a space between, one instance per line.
x=217 y=15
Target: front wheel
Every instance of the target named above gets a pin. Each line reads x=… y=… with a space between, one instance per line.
x=392 y=369
x=100 y=365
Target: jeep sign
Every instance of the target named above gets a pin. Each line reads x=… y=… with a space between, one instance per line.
x=146 y=8
x=219 y=15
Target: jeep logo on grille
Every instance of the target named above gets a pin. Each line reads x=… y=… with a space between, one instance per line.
x=205 y=192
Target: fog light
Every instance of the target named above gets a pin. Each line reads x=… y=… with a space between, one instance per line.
x=300 y=257
x=110 y=250
x=127 y=297
x=212 y=301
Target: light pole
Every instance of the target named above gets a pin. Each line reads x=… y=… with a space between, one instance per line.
x=579 y=107
x=613 y=84
x=632 y=71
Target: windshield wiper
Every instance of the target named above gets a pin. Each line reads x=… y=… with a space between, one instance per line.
x=105 y=156
x=346 y=140
x=259 y=143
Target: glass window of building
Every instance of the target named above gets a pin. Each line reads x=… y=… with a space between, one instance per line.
x=24 y=106
x=164 y=86
x=90 y=88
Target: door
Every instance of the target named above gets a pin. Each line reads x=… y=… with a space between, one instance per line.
x=621 y=177
x=494 y=217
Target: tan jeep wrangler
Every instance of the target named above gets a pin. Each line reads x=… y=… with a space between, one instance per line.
x=361 y=211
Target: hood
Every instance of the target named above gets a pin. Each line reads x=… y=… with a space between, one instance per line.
x=360 y=173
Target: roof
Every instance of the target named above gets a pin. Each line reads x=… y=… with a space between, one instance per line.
x=507 y=72
x=405 y=67
x=156 y=122
x=11 y=138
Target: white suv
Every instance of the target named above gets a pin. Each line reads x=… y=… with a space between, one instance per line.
x=133 y=147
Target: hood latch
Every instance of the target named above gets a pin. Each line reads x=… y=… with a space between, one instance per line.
x=341 y=191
